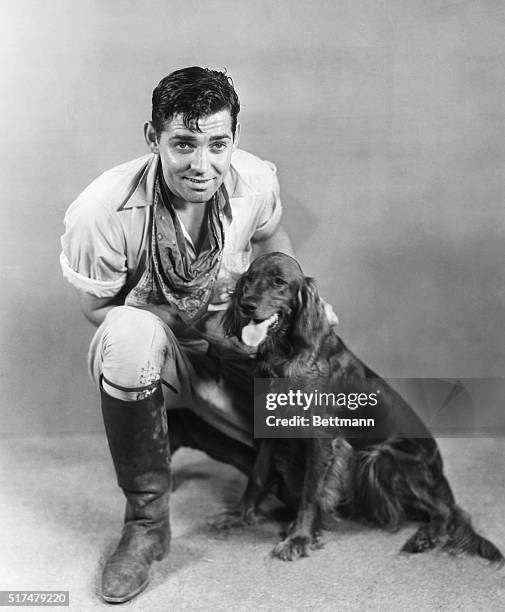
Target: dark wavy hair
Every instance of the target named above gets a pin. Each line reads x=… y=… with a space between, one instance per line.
x=194 y=92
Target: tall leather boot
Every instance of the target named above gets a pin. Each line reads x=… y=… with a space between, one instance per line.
x=138 y=442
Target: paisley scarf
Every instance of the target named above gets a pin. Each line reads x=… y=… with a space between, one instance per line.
x=170 y=276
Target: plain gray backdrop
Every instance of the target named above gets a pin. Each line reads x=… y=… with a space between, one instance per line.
x=386 y=122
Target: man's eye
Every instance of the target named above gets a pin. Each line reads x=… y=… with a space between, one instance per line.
x=219 y=146
x=279 y=282
x=183 y=146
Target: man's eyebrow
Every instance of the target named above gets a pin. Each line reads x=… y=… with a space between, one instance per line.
x=220 y=137
x=193 y=137
x=184 y=136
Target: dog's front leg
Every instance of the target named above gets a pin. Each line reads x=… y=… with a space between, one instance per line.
x=327 y=484
x=303 y=532
x=245 y=511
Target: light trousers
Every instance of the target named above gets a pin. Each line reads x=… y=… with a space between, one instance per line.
x=133 y=350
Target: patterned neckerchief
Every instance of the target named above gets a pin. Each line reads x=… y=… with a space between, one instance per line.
x=171 y=277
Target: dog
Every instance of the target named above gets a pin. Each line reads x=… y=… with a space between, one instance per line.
x=383 y=476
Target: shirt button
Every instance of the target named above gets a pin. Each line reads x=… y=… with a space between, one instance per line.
x=160 y=236
x=162 y=217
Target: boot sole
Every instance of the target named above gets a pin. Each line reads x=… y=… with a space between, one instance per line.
x=125 y=598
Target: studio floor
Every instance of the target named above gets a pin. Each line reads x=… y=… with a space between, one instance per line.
x=61 y=513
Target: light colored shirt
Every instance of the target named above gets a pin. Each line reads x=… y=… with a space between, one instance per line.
x=106 y=242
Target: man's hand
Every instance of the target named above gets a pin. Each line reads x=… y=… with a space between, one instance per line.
x=330 y=313
x=169 y=316
x=228 y=348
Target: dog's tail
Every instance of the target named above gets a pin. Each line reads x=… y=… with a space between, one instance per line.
x=392 y=485
x=463 y=538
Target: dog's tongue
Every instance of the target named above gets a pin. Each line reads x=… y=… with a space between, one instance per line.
x=253 y=333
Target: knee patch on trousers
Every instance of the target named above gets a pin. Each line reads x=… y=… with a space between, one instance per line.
x=134 y=348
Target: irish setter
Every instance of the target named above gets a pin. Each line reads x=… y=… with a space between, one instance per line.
x=384 y=476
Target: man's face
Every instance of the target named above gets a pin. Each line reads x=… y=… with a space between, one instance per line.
x=194 y=163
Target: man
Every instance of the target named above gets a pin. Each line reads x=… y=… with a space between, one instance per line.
x=154 y=248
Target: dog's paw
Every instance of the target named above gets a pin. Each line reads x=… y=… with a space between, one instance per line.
x=228 y=519
x=294 y=547
x=317 y=541
x=419 y=542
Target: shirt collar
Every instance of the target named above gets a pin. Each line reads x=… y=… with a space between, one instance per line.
x=143 y=188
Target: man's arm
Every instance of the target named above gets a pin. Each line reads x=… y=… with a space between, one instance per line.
x=95 y=309
x=278 y=241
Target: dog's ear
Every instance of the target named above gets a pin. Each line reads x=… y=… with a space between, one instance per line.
x=232 y=319
x=308 y=317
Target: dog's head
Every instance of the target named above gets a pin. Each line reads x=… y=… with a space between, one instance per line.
x=274 y=303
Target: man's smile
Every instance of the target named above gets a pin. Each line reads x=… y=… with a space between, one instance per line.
x=198 y=180
x=199 y=183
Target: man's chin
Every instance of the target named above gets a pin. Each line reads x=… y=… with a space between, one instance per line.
x=199 y=196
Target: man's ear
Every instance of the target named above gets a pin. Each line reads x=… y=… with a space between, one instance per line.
x=236 y=137
x=151 y=137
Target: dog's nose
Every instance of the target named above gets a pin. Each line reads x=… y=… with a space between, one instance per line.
x=248 y=305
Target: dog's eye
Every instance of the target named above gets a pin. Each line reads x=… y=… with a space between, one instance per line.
x=279 y=282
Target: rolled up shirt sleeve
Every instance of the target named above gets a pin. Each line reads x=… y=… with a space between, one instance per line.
x=93 y=250
x=271 y=211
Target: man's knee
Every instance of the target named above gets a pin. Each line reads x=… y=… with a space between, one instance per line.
x=134 y=348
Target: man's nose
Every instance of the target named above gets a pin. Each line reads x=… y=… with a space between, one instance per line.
x=200 y=160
